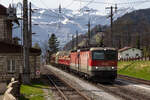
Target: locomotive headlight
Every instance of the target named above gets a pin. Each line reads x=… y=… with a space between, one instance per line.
x=96 y=67
x=113 y=67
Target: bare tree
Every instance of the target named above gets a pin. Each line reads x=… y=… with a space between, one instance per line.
x=44 y=48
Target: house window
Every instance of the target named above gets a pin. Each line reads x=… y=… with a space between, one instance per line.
x=11 y=65
x=137 y=55
x=127 y=54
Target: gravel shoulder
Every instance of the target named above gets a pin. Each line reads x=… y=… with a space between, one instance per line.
x=136 y=88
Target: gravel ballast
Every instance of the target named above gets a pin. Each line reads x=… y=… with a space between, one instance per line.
x=91 y=90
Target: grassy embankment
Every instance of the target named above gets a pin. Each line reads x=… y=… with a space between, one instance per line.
x=33 y=91
x=138 y=69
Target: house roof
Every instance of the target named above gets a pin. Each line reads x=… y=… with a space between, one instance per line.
x=13 y=48
x=3 y=10
x=124 y=49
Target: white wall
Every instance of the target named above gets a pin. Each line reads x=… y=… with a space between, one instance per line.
x=130 y=53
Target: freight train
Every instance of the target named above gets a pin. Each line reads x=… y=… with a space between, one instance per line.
x=96 y=63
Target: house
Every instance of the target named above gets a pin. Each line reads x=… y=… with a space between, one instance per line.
x=129 y=52
x=11 y=55
x=11 y=60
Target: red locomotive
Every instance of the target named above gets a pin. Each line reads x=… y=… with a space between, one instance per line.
x=97 y=63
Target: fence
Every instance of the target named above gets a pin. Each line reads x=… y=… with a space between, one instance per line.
x=136 y=59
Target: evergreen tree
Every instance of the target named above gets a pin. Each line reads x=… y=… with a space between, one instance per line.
x=53 y=44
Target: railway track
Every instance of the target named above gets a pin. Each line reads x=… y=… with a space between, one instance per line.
x=65 y=90
x=120 y=90
x=142 y=81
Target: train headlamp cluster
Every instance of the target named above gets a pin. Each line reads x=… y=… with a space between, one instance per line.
x=104 y=68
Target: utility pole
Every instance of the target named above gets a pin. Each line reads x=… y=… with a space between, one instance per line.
x=26 y=71
x=89 y=28
x=67 y=36
x=60 y=10
x=30 y=26
x=111 y=21
x=89 y=33
x=72 y=43
x=76 y=39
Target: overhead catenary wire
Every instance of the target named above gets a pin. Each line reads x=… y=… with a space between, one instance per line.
x=123 y=3
x=131 y=3
x=58 y=14
x=69 y=5
x=90 y=2
x=48 y=7
x=52 y=10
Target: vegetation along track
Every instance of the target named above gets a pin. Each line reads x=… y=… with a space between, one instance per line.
x=146 y=82
x=65 y=90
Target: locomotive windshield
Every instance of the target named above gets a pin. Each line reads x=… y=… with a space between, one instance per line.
x=104 y=55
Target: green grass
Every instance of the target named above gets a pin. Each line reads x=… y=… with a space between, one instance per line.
x=33 y=91
x=138 y=69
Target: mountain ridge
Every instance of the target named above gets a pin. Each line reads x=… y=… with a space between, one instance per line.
x=64 y=25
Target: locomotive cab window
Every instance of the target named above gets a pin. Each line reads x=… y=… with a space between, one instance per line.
x=110 y=55
x=98 y=55
x=104 y=55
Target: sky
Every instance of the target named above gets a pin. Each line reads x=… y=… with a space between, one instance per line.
x=100 y=5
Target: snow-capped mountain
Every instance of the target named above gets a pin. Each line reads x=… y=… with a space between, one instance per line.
x=65 y=24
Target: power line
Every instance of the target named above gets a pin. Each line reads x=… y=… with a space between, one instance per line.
x=90 y=2
x=52 y=10
x=95 y=2
x=87 y=4
x=135 y=2
x=99 y=2
x=47 y=7
x=70 y=4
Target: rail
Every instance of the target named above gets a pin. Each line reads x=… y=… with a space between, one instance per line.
x=134 y=79
x=70 y=86
x=59 y=90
